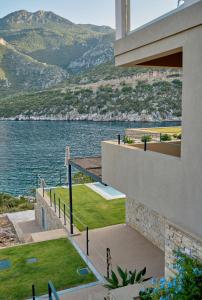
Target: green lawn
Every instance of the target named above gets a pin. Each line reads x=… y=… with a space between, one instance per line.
x=58 y=261
x=92 y=209
x=171 y=130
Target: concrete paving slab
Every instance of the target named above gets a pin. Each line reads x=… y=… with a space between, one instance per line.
x=22 y=216
x=24 y=224
x=48 y=235
x=92 y=293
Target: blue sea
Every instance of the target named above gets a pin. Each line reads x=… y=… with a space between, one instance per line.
x=31 y=148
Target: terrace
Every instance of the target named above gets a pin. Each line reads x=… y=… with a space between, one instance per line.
x=161 y=140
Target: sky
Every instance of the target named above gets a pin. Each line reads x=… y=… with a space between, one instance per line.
x=99 y=12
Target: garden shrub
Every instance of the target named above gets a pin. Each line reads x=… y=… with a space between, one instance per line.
x=187 y=285
x=125 y=278
x=127 y=140
x=146 y=138
x=177 y=136
x=166 y=137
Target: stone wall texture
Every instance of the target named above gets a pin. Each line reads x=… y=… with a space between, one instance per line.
x=177 y=238
x=148 y=222
x=51 y=219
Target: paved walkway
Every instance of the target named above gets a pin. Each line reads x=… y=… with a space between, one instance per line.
x=129 y=249
x=92 y=293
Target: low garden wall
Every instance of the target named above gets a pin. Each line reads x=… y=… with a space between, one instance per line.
x=169 y=148
x=50 y=220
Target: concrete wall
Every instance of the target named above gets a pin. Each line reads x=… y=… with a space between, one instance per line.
x=168 y=148
x=51 y=219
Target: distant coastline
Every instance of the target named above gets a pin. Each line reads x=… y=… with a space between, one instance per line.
x=95 y=118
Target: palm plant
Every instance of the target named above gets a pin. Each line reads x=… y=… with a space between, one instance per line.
x=125 y=278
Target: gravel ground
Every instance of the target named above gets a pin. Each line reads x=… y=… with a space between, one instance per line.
x=8 y=236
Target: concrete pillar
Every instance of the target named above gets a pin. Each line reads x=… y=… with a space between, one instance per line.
x=122 y=18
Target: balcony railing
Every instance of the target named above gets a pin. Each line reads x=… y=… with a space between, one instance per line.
x=133 y=14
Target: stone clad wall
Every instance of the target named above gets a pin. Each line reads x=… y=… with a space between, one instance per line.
x=177 y=238
x=51 y=219
x=162 y=233
x=148 y=222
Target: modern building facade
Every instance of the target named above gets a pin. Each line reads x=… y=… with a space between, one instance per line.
x=164 y=192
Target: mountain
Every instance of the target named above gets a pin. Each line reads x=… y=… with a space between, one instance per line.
x=51 y=68
x=54 y=40
x=48 y=48
x=22 y=18
x=21 y=72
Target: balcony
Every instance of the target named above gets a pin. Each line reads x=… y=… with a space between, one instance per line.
x=151 y=178
x=154 y=37
x=161 y=140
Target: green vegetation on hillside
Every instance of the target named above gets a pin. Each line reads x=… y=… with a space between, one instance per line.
x=54 y=47
x=41 y=51
x=108 y=71
x=160 y=99
x=57 y=261
x=10 y=204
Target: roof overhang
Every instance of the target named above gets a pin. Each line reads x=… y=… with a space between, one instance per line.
x=90 y=166
x=159 y=43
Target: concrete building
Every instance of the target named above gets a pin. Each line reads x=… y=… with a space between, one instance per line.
x=164 y=191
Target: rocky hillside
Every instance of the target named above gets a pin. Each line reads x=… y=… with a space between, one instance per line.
x=141 y=100
x=21 y=72
x=51 y=68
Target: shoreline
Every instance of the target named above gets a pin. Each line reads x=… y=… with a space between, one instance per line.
x=96 y=119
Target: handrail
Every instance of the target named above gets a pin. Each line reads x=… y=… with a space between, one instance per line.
x=52 y=291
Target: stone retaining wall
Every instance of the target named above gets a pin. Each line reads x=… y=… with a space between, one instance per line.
x=148 y=222
x=51 y=219
x=161 y=232
x=177 y=238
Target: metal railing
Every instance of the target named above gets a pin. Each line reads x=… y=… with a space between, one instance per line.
x=168 y=143
x=52 y=293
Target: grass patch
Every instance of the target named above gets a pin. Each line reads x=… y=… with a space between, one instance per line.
x=171 y=130
x=92 y=209
x=57 y=261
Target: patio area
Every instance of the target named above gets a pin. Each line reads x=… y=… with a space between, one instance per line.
x=129 y=250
